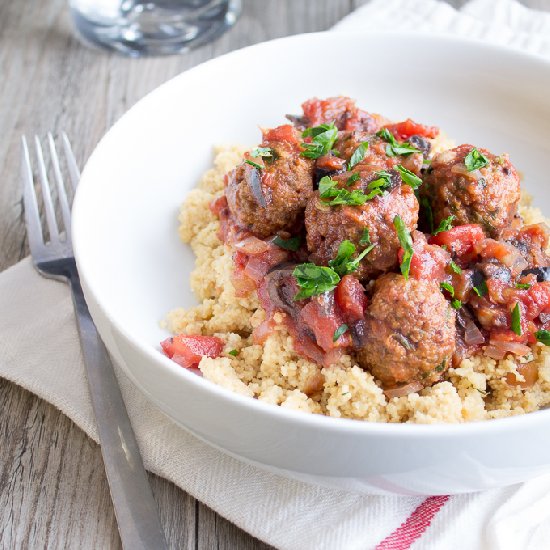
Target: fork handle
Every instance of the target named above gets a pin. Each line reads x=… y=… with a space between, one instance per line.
x=135 y=508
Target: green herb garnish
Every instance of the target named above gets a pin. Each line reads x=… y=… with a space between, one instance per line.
x=457 y=304
x=516 y=319
x=405 y=241
x=427 y=212
x=358 y=154
x=454 y=267
x=481 y=289
x=233 y=352
x=444 y=225
x=343 y=264
x=394 y=148
x=523 y=286
x=255 y=165
x=408 y=177
x=543 y=336
x=448 y=287
x=333 y=196
x=323 y=138
x=475 y=160
x=365 y=237
x=314 y=279
x=264 y=152
x=353 y=178
x=378 y=185
x=339 y=331
x=288 y=244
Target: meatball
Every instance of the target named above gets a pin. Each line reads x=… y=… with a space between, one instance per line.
x=267 y=200
x=327 y=226
x=488 y=196
x=340 y=110
x=410 y=332
x=376 y=155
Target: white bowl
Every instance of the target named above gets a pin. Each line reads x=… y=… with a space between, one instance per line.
x=134 y=269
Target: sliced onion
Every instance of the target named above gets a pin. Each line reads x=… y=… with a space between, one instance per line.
x=251 y=245
x=497 y=350
x=401 y=391
x=472 y=335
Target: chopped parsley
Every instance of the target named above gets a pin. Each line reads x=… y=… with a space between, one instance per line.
x=358 y=154
x=353 y=178
x=523 y=286
x=475 y=160
x=365 y=237
x=264 y=152
x=449 y=288
x=333 y=196
x=394 y=148
x=254 y=164
x=378 y=185
x=481 y=289
x=543 y=336
x=408 y=177
x=343 y=264
x=339 y=331
x=288 y=244
x=323 y=138
x=427 y=212
x=405 y=241
x=233 y=352
x=516 y=319
x=455 y=267
x=314 y=279
x=457 y=304
x=444 y=225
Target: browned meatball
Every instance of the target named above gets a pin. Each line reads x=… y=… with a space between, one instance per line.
x=327 y=226
x=410 y=332
x=488 y=196
x=375 y=155
x=270 y=200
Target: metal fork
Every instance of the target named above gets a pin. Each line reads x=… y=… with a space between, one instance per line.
x=135 y=508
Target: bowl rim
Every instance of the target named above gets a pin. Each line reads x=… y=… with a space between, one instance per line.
x=326 y=423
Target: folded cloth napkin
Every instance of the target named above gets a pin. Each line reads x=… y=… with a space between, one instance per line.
x=285 y=513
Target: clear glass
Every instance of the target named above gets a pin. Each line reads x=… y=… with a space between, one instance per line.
x=160 y=27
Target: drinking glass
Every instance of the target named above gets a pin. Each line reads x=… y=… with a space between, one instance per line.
x=159 y=27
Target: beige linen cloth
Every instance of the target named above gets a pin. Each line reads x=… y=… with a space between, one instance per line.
x=39 y=350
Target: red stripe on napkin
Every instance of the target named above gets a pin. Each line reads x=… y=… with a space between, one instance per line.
x=413 y=527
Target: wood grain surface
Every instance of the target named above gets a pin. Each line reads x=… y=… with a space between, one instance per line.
x=53 y=490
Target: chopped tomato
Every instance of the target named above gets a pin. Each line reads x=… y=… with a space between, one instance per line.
x=428 y=261
x=321 y=317
x=188 y=350
x=407 y=128
x=351 y=299
x=286 y=132
x=459 y=240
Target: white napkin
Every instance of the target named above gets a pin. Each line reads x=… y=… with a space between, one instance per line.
x=39 y=350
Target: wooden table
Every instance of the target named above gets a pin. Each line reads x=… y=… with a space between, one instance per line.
x=53 y=491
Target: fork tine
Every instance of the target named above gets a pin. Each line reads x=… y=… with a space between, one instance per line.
x=32 y=216
x=46 y=193
x=65 y=210
x=74 y=172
